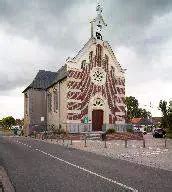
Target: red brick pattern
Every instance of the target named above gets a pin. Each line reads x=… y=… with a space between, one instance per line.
x=113 y=90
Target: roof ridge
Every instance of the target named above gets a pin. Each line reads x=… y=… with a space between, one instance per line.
x=92 y=38
x=45 y=79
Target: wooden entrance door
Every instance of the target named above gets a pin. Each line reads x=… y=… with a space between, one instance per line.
x=97 y=120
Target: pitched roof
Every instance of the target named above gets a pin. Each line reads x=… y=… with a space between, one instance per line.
x=91 y=40
x=141 y=121
x=135 y=120
x=61 y=74
x=42 y=80
x=45 y=79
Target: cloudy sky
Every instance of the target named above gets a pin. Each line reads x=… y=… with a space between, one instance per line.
x=41 y=34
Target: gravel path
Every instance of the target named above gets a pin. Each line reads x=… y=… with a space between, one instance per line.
x=155 y=154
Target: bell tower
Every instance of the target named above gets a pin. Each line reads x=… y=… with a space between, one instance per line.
x=98 y=24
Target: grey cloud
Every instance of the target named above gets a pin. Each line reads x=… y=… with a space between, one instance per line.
x=130 y=18
x=8 y=83
x=41 y=19
x=49 y=22
x=132 y=24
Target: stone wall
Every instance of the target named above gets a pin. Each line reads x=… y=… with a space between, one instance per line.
x=58 y=117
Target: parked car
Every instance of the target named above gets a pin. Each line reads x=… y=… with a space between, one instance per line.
x=17 y=130
x=159 y=133
x=138 y=130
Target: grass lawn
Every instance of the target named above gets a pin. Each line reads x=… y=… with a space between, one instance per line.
x=169 y=134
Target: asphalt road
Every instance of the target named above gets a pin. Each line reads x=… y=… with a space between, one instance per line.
x=35 y=166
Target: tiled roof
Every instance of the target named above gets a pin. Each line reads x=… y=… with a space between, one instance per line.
x=135 y=120
x=141 y=121
x=45 y=79
x=61 y=74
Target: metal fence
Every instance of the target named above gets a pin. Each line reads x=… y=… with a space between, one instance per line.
x=117 y=127
x=78 y=127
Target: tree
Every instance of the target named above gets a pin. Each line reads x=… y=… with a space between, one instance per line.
x=7 y=122
x=19 y=122
x=164 y=109
x=1 y=125
x=143 y=113
x=133 y=109
x=170 y=121
x=132 y=106
x=170 y=116
x=166 y=121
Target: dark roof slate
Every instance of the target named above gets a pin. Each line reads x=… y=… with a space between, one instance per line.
x=45 y=79
x=61 y=74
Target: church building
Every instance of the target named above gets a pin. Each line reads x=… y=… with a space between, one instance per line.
x=88 y=90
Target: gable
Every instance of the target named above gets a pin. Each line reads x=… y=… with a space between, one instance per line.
x=91 y=46
x=83 y=55
x=113 y=62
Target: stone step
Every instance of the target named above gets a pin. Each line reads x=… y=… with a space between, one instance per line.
x=93 y=135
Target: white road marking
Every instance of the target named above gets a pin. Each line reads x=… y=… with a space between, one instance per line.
x=85 y=170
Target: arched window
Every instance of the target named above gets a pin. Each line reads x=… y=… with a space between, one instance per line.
x=91 y=56
x=106 y=62
x=26 y=103
x=99 y=50
x=106 y=59
x=99 y=54
x=113 y=71
x=56 y=99
x=98 y=102
x=49 y=102
x=83 y=64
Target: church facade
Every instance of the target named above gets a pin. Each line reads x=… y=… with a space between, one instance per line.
x=88 y=89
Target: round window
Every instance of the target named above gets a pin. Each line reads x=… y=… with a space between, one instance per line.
x=98 y=76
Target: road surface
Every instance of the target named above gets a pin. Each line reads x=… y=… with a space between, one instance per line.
x=37 y=166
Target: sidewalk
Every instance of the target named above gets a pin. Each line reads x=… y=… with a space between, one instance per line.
x=155 y=154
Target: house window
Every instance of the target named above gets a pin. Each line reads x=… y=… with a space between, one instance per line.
x=83 y=64
x=56 y=100
x=49 y=100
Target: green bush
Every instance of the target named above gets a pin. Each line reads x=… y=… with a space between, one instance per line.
x=169 y=134
x=130 y=130
x=110 y=131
